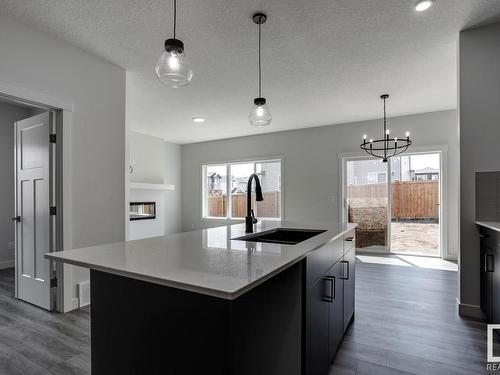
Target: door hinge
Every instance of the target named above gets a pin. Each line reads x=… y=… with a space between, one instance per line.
x=53 y=210
x=52 y=138
x=53 y=282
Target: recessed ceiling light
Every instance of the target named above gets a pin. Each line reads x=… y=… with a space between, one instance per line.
x=423 y=5
x=198 y=120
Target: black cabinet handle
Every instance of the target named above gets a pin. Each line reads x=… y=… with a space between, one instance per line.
x=483 y=235
x=489 y=266
x=344 y=277
x=350 y=239
x=331 y=297
x=16 y=218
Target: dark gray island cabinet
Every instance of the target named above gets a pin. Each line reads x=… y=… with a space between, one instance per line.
x=257 y=309
x=329 y=301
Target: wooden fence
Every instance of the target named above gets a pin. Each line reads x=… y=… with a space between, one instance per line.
x=269 y=207
x=410 y=199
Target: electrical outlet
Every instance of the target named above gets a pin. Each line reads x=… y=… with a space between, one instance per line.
x=331 y=198
x=10 y=245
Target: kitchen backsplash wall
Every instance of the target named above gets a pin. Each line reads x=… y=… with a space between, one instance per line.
x=488 y=196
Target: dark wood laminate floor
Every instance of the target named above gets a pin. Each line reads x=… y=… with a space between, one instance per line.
x=34 y=341
x=406 y=323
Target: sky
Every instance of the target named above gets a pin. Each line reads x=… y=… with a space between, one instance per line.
x=424 y=161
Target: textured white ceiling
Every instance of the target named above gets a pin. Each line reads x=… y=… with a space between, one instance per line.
x=325 y=61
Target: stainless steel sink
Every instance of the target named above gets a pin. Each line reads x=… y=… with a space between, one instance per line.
x=284 y=236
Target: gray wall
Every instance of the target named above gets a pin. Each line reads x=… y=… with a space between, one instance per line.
x=311 y=169
x=35 y=61
x=148 y=155
x=173 y=200
x=488 y=196
x=156 y=161
x=9 y=114
x=97 y=89
x=479 y=96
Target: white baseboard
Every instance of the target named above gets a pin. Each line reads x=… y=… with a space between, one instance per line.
x=470 y=311
x=74 y=304
x=7 y=264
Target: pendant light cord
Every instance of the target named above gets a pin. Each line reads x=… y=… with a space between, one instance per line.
x=385 y=121
x=260 y=73
x=385 y=130
x=175 y=16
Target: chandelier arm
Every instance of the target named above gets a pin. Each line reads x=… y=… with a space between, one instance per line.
x=369 y=146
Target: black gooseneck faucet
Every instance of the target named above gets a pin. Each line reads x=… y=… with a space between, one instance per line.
x=250 y=220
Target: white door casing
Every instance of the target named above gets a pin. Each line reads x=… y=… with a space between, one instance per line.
x=33 y=199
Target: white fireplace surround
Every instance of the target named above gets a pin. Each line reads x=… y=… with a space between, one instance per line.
x=139 y=229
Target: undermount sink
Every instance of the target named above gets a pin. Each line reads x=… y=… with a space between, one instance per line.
x=284 y=236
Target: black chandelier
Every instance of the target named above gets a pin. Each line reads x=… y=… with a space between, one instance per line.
x=386 y=147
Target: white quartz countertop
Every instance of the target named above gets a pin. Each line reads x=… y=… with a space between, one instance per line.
x=495 y=225
x=205 y=261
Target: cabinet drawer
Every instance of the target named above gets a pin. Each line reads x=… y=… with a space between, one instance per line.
x=349 y=240
x=321 y=259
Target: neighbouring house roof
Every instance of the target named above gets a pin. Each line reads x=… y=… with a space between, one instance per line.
x=239 y=185
x=214 y=175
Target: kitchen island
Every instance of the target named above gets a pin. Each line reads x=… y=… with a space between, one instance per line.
x=204 y=302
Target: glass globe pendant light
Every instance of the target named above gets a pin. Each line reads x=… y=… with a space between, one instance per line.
x=260 y=114
x=173 y=68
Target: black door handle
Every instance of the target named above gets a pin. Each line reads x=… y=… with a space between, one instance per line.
x=344 y=277
x=16 y=218
x=350 y=239
x=489 y=266
x=331 y=297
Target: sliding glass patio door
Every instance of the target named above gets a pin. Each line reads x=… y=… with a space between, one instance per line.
x=415 y=204
x=367 y=202
x=396 y=205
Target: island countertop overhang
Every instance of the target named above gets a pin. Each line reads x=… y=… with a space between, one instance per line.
x=206 y=261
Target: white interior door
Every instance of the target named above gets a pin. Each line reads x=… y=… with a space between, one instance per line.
x=33 y=198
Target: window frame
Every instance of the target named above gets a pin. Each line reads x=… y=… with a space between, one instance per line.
x=227 y=163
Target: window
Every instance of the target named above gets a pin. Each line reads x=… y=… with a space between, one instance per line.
x=377 y=177
x=216 y=189
x=225 y=189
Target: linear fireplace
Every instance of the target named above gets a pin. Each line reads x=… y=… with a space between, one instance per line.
x=142 y=210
